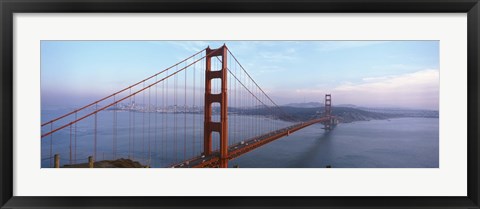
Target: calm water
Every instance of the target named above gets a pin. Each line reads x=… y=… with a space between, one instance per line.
x=394 y=143
x=398 y=143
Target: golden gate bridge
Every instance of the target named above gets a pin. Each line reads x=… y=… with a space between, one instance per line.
x=159 y=121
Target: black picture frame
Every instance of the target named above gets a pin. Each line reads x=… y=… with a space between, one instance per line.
x=9 y=7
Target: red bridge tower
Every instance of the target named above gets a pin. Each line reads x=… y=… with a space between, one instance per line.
x=328 y=112
x=220 y=127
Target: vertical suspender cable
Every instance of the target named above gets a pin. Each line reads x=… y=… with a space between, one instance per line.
x=156 y=122
x=175 y=115
x=51 y=145
x=75 y=140
x=193 y=108
x=130 y=126
x=149 y=127
x=143 y=124
x=113 y=128
x=70 y=144
x=166 y=119
x=95 y=134
x=185 y=117
x=134 y=109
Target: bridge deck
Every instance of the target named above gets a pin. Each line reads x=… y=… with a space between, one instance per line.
x=245 y=146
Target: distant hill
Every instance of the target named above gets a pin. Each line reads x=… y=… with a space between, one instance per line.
x=305 y=105
x=344 y=114
x=404 y=112
x=346 y=105
x=316 y=104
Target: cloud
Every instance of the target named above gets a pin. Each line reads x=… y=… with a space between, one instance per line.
x=270 y=69
x=397 y=67
x=417 y=90
x=287 y=54
x=340 y=45
x=424 y=78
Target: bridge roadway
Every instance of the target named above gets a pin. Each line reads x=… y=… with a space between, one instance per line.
x=248 y=145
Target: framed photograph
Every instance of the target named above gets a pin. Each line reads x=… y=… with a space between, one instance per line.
x=265 y=104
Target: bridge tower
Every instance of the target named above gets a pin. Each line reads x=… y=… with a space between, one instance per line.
x=328 y=104
x=220 y=127
x=328 y=112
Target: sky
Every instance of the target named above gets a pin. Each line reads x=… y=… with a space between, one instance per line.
x=394 y=74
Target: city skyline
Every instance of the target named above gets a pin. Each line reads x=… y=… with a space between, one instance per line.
x=400 y=74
